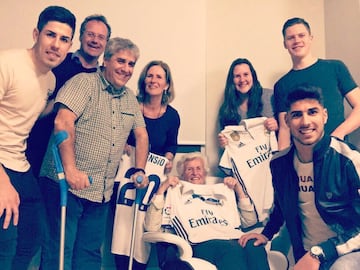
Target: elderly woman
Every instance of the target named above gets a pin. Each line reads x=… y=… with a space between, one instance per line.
x=225 y=252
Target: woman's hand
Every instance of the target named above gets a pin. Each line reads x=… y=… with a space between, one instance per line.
x=230 y=182
x=168 y=167
x=234 y=184
x=223 y=141
x=171 y=181
x=271 y=124
x=169 y=164
x=127 y=149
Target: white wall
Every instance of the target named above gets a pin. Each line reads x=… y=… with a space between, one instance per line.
x=198 y=38
x=342 y=21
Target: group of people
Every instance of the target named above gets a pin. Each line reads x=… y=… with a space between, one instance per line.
x=89 y=101
x=47 y=90
x=316 y=183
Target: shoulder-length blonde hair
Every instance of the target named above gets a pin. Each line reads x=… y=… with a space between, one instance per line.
x=168 y=94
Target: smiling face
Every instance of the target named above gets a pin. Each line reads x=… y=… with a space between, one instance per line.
x=51 y=44
x=297 y=41
x=155 y=81
x=119 y=68
x=94 y=38
x=194 y=171
x=242 y=78
x=306 y=119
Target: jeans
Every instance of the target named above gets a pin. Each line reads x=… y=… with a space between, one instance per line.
x=18 y=244
x=84 y=230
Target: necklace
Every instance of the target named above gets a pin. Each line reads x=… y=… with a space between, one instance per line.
x=151 y=113
x=301 y=159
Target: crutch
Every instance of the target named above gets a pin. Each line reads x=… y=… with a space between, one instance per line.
x=59 y=138
x=140 y=192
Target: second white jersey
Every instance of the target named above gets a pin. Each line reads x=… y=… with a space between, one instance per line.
x=248 y=156
x=125 y=206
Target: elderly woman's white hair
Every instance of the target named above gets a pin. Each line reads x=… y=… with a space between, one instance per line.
x=188 y=157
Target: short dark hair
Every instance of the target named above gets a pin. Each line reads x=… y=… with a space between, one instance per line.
x=293 y=21
x=95 y=17
x=304 y=91
x=58 y=14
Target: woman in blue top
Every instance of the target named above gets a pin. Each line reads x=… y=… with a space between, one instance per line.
x=156 y=91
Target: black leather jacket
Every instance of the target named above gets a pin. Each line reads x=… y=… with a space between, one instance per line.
x=337 y=196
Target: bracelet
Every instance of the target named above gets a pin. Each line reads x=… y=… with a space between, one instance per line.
x=135 y=170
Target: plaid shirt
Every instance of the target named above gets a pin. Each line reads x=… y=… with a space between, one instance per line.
x=105 y=119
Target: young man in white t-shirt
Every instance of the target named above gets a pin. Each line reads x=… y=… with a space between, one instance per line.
x=26 y=81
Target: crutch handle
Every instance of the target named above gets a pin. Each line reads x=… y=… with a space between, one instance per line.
x=59 y=138
x=140 y=192
x=139 y=179
x=64 y=186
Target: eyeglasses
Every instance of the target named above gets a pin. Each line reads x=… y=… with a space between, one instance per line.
x=92 y=35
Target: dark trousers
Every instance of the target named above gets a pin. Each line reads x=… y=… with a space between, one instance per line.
x=122 y=263
x=84 y=230
x=229 y=255
x=224 y=254
x=18 y=244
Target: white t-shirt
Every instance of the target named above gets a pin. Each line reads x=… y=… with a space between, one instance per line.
x=315 y=229
x=23 y=95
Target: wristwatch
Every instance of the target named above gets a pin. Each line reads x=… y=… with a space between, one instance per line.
x=317 y=253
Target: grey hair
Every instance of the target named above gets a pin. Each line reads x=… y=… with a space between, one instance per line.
x=118 y=44
x=180 y=166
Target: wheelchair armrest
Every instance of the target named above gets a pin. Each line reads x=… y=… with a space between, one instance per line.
x=185 y=251
x=277 y=260
x=184 y=248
